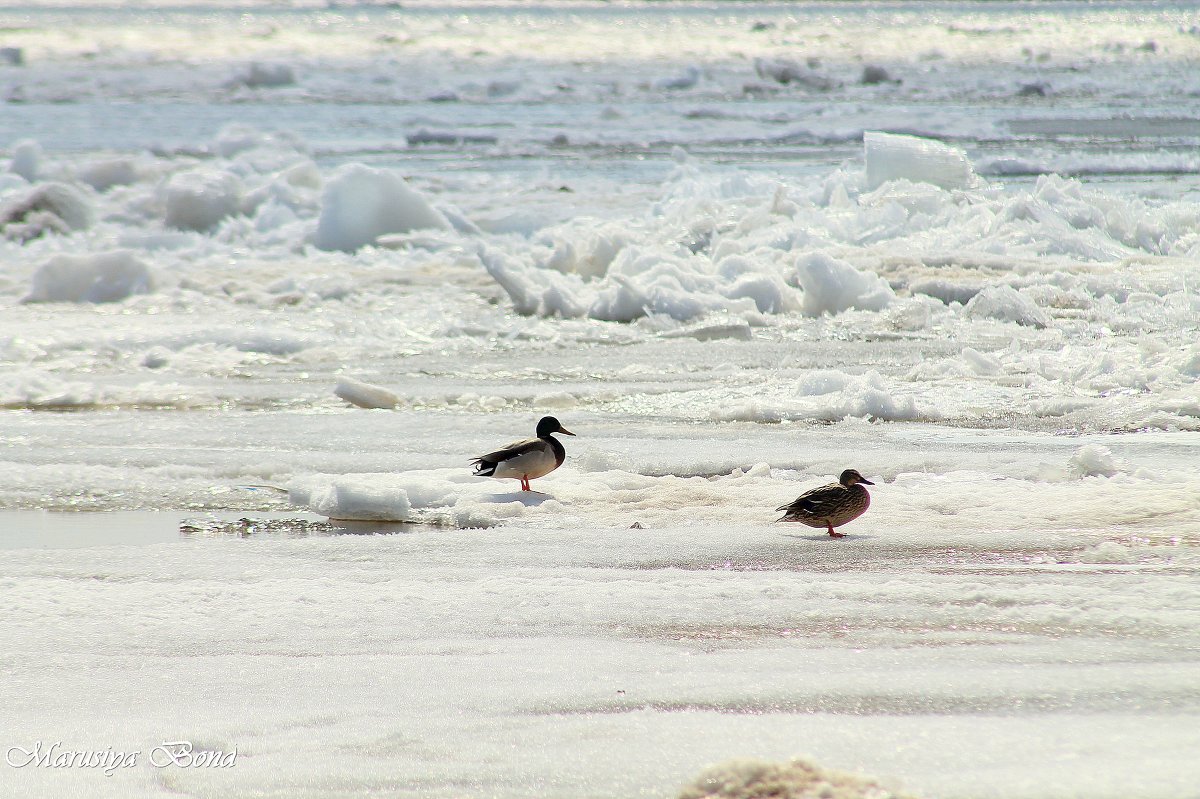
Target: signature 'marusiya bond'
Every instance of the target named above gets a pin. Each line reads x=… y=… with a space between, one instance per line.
x=529 y=459
x=830 y=505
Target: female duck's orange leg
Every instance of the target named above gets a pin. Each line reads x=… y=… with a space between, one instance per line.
x=832 y=533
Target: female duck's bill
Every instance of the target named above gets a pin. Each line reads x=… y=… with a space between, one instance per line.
x=830 y=505
x=528 y=459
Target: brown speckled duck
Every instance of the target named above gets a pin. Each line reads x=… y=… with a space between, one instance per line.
x=830 y=505
x=529 y=459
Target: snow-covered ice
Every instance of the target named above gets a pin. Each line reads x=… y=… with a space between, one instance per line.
x=103 y=277
x=891 y=157
x=360 y=204
x=256 y=321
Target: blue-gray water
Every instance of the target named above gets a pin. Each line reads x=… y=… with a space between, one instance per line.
x=1078 y=88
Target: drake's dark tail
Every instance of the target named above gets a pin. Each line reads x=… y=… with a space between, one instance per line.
x=484 y=468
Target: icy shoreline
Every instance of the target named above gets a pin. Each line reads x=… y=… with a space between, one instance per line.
x=636 y=657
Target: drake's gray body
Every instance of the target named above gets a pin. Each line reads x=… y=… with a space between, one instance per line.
x=830 y=505
x=528 y=459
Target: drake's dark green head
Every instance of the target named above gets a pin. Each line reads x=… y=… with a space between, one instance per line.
x=548 y=425
x=851 y=476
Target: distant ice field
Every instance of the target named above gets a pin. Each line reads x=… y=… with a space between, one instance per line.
x=1086 y=89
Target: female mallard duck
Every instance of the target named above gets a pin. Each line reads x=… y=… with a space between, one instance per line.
x=830 y=505
x=529 y=459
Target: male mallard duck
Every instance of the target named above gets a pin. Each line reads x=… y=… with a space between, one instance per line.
x=830 y=505
x=529 y=459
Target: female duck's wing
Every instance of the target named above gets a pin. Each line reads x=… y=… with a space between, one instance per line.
x=817 y=502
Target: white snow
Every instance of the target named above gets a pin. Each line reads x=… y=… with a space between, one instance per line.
x=1094 y=460
x=831 y=286
x=46 y=208
x=104 y=173
x=103 y=277
x=26 y=160
x=895 y=157
x=364 y=395
x=354 y=501
x=980 y=615
x=200 y=199
x=309 y=261
x=1006 y=304
x=360 y=204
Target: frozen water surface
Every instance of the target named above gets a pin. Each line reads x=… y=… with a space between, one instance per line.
x=270 y=276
